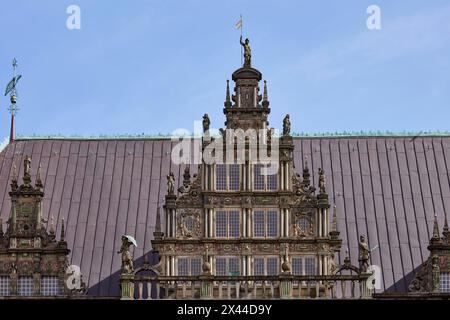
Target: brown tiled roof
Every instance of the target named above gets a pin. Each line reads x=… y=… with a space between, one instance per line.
x=388 y=188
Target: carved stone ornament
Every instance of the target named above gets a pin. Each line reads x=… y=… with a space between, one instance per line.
x=302 y=224
x=189 y=223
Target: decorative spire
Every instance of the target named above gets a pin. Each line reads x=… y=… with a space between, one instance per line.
x=334 y=223
x=63 y=232
x=11 y=88
x=52 y=225
x=227 y=103
x=435 y=236
x=306 y=174
x=14 y=184
x=158 y=234
x=334 y=233
x=39 y=184
x=445 y=231
x=265 y=102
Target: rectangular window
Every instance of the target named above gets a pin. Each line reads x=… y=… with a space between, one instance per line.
x=196 y=266
x=221 y=177
x=183 y=267
x=258 y=178
x=233 y=217
x=228 y=177
x=258 y=224
x=228 y=224
x=297 y=266
x=25 y=286
x=227 y=266
x=444 y=282
x=272 y=266
x=221 y=266
x=5 y=285
x=189 y=266
x=265 y=223
x=272 y=223
x=234 y=177
x=264 y=177
x=221 y=224
x=258 y=266
x=50 y=286
x=265 y=266
x=310 y=266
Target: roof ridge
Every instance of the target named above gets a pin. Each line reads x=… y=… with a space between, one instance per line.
x=344 y=134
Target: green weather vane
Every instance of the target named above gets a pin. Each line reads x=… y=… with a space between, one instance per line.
x=11 y=88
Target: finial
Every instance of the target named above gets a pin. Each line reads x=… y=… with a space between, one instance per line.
x=435 y=236
x=265 y=102
x=52 y=225
x=265 y=97
x=146 y=262
x=306 y=174
x=14 y=184
x=445 y=231
x=39 y=184
x=334 y=225
x=227 y=95
x=1 y=228
x=63 y=232
x=11 y=88
x=158 y=234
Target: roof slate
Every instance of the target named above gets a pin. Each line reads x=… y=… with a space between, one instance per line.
x=388 y=188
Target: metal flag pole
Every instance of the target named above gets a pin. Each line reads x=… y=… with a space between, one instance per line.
x=242 y=26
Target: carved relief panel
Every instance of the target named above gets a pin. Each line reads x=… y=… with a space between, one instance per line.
x=189 y=223
x=302 y=222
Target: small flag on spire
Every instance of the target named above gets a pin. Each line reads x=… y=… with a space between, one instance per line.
x=238 y=24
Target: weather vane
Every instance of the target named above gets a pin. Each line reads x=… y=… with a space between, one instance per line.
x=11 y=88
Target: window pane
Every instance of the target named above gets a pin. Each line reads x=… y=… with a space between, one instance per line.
x=233 y=223
x=26 y=287
x=258 y=224
x=310 y=266
x=258 y=178
x=221 y=267
x=297 y=266
x=233 y=266
x=221 y=224
x=304 y=225
x=5 y=283
x=272 y=266
x=258 y=266
x=183 y=267
x=234 y=176
x=221 y=177
x=272 y=223
x=50 y=286
x=196 y=266
x=272 y=181
x=444 y=282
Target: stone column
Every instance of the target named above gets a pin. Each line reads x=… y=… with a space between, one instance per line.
x=126 y=287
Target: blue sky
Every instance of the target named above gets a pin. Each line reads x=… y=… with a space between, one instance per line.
x=154 y=66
